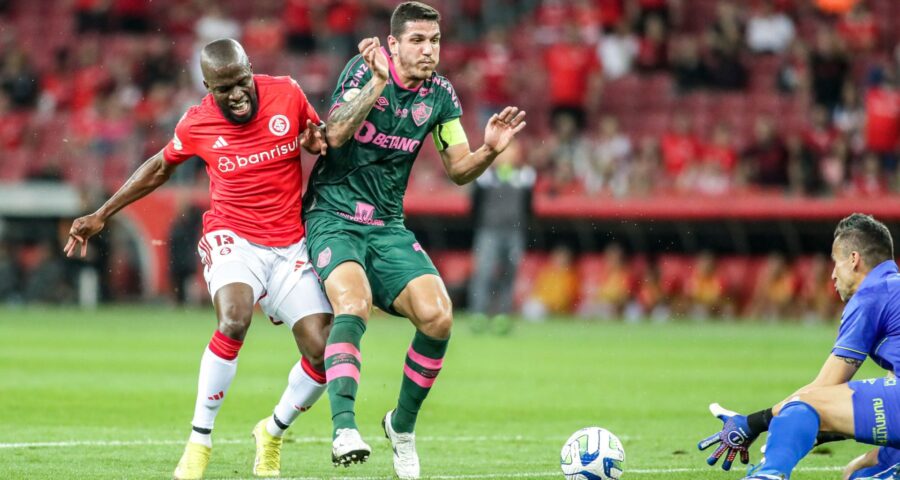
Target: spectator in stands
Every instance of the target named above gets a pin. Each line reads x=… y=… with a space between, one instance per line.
x=833 y=167
x=726 y=31
x=867 y=179
x=492 y=74
x=704 y=289
x=850 y=115
x=650 y=300
x=213 y=25
x=646 y=175
x=607 y=160
x=299 y=26
x=564 y=150
x=183 y=239
x=555 y=288
x=765 y=161
x=775 y=290
x=819 y=134
x=858 y=28
x=769 y=30
x=687 y=66
x=669 y=11
x=724 y=42
x=501 y=208
x=342 y=18
x=793 y=73
x=618 y=50
x=829 y=69
x=653 y=47
x=680 y=148
x=158 y=65
x=13 y=127
x=93 y=15
x=883 y=120
x=613 y=292
x=131 y=16
x=816 y=293
x=19 y=79
x=714 y=173
x=574 y=77
x=804 y=175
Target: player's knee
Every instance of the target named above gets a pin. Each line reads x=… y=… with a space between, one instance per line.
x=436 y=320
x=358 y=306
x=234 y=320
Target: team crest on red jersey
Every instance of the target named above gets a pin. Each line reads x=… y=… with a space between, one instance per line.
x=420 y=113
x=279 y=125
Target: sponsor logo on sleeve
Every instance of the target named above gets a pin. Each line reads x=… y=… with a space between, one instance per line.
x=176 y=143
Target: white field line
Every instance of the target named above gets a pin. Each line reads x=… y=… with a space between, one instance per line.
x=324 y=440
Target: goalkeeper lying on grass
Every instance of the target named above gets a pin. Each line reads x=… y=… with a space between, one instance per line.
x=833 y=407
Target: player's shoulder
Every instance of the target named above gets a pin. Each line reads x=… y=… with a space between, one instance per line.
x=197 y=114
x=441 y=85
x=275 y=82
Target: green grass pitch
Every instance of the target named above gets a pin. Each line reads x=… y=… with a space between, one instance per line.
x=110 y=394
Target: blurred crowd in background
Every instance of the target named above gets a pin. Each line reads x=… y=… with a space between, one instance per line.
x=626 y=98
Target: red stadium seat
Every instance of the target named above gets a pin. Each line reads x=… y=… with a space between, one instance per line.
x=673 y=270
x=455 y=266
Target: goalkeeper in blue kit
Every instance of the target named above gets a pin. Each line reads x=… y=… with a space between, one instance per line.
x=833 y=406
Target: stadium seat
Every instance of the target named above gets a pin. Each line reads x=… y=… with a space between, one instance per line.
x=455 y=266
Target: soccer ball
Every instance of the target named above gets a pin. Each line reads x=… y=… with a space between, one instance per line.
x=592 y=453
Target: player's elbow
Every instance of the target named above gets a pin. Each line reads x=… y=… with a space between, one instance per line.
x=459 y=178
x=335 y=136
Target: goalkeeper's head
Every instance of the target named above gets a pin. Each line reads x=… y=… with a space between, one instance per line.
x=861 y=243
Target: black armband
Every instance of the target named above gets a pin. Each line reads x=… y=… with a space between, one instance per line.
x=759 y=421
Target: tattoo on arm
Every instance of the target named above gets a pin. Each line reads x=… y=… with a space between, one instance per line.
x=852 y=361
x=350 y=115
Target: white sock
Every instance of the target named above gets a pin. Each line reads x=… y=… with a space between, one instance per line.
x=216 y=374
x=299 y=396
x=201 y=438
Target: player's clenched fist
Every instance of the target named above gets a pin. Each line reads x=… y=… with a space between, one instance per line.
x=82 y=229
x=370 y=49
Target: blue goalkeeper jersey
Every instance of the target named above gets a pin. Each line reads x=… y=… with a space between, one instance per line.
x=870 y=324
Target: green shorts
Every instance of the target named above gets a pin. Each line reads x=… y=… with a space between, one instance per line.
x=390 y=255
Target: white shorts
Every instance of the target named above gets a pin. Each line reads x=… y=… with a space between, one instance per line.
x=283 y=280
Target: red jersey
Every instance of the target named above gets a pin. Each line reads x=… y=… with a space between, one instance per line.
x=882 y=120
x=254 y=168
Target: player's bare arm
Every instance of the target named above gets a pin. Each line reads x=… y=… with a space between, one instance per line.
x=836 y=371
x=150 y=175
x=346 y=119
x=463 y=165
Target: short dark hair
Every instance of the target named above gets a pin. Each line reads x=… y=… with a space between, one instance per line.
x=869 y=237
x=411 y=12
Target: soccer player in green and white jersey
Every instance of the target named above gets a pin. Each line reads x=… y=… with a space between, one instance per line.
x=385 y=106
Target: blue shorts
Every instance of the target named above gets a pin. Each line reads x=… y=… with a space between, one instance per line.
x=875 y=416
x=888 y=461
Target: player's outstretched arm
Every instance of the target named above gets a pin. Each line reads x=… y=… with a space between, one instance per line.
x=150 y=175
x=463 y=165
x=346 y=119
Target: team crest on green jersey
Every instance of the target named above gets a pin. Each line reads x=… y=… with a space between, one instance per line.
x=420 y=113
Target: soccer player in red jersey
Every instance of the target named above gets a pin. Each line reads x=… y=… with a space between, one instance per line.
x=248 y=130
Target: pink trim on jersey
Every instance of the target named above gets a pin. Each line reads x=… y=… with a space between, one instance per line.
x=343 y=370
x=337 y=348
x=395 y=76
x=429 y=363
x=418 y=378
